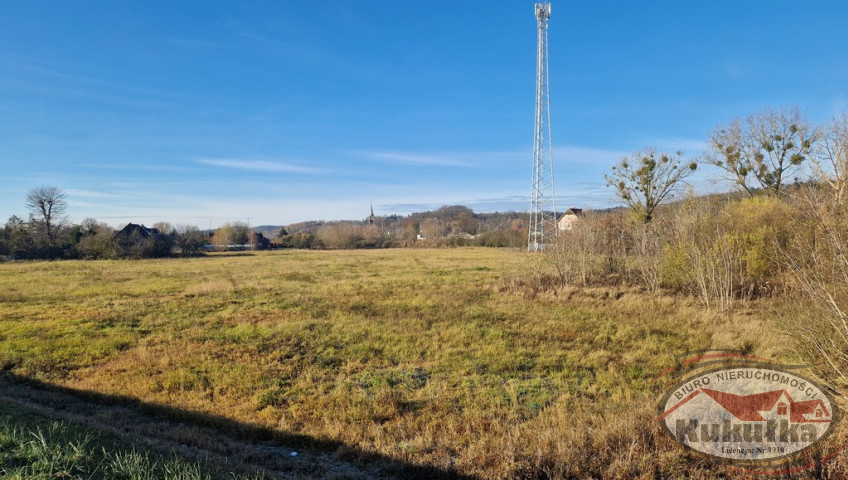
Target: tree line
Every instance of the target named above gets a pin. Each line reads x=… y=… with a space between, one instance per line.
x=47 y=234
x=448 y=226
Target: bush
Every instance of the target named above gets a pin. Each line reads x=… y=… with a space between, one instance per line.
x=136 y=246
x=723 y=251
x=574 y=254
x=189 y=239
x=100 y=245
x=300 y=240
x=817 y=264
x=676 y=266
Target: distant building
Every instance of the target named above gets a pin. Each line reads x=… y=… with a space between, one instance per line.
x=138 y=241
x=371 y=217
x=570 y=218
x=134 y=231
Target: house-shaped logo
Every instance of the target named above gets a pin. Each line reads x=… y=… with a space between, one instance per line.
x=747 y=413
x=774 y=405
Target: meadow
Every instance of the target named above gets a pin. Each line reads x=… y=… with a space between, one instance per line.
x=385 y=358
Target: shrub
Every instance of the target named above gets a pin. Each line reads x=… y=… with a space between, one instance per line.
x=723 y=251
x=817 y=264
x=676 y=265
x=100 y=245
x=573 y=255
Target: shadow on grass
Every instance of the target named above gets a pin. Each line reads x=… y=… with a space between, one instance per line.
x=365 y=463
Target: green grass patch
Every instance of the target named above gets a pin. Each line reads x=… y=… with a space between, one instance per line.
x=34 y=447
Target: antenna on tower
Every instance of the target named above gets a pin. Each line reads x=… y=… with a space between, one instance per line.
x=543 y=227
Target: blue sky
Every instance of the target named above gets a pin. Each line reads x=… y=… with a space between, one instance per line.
x=275 y=112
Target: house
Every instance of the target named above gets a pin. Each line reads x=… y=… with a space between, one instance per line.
x=134 y=231
x=569 y=218
x=138 y=241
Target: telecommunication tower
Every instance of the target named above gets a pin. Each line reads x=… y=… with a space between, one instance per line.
x=543 y=227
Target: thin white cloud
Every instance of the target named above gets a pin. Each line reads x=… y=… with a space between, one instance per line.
x=428 y=159
x=75 y=192
x=137 y=167
x=689 y=146
x=588 y=156
x=441 y=159
x=182 y=199
x=259 y=165
x=573 y=154
x=563 y=154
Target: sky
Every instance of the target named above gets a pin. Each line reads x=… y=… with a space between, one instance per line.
x=275 y=112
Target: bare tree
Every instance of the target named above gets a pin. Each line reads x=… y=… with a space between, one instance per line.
x=47 y=204
x=762 y=151
x=728 y=150
x=830 y=158
x=89 y=226
x=340 y=235
x=189 y=239
x=572 y=255
x=242 y=234
x=164 y=228
x=644 y=179
x=432 y=230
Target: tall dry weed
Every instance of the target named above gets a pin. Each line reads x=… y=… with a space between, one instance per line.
x=817 y=261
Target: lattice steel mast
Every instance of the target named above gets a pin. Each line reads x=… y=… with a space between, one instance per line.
x=543 y=227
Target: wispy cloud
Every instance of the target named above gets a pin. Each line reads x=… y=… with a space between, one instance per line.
x=76 y=192
x=586 y=156
x=564 y=156
x=589 y=156
x=259 y=165
x=440 y=159
x=49 y=77
x=687 y=145
x=139 y=167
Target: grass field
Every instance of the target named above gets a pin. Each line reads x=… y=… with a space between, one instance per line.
x=423 y=357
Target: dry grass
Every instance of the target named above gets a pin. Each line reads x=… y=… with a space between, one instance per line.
x=426 y=356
